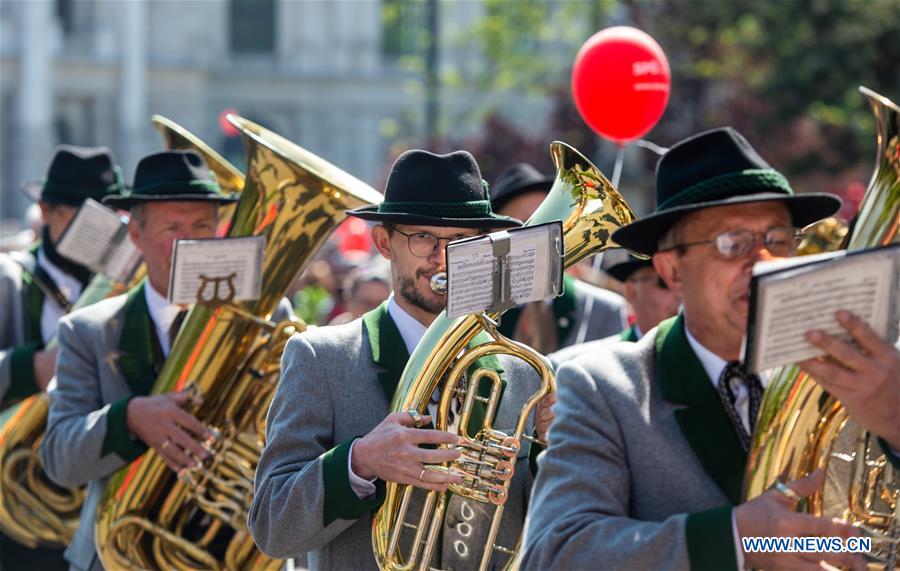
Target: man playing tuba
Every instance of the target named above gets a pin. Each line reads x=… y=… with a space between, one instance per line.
x=331 y=444
x=646 y=459
x=37 y=287
x=110 y=354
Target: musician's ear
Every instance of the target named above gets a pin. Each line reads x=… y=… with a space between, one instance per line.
x=381 y=237
x=667 y=265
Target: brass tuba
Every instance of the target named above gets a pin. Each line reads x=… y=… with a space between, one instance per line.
x=34 y=510
x=229 y=354
x=590 y=210
x=801 y=428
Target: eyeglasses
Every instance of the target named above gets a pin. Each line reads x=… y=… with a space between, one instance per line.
x=423 y=244
x=780 y=241
x=658 y=281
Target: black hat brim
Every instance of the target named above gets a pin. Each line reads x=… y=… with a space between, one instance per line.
x=32 y=190
x=126 y=202
x=643 y=235
x=621 y=272
x=371 y=213
x=502 y=198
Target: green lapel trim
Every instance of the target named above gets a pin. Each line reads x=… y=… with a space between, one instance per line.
x=135 y=349
x=703 y=421
x=34 y=300
x=564 y=309
x=389 y=352
x=629 y=335
x=388 y=348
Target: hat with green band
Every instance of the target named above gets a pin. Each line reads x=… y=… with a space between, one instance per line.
x=76 y=174
x=436 y=190
x=169 y=176
x=717 y=168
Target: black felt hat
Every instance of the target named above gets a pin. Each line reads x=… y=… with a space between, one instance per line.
x=436 y=190
x=717 y=168
x=172 y=176
x=621 y=269
x=76 y=174
x=518 y=179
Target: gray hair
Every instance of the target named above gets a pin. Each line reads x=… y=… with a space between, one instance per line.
x=138 y=213
x=672 y=237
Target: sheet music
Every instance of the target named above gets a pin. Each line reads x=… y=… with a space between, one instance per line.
x=216 y=269
x=471 y=270
x=503 y=269
x=529 y=256
x=92 y=234
x=792 y=303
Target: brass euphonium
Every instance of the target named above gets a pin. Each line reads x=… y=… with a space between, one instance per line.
x=228 y=354
x=801 y=428
x=590 y=210
x=33 y=510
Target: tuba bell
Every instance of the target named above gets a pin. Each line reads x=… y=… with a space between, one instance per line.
x=590 y=210
x=34 y=510
x=229 y=354
x=801 y=428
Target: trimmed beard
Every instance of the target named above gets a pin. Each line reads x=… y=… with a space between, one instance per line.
x=412 y=295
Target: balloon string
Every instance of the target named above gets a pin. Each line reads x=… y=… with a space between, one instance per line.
x=617 y=169
x=598 y=259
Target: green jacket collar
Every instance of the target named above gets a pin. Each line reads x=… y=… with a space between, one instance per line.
x=703 y=421
x=34 y=298
x=388 y=348
x=136 y=344
x=389 y=352
x=629 y=334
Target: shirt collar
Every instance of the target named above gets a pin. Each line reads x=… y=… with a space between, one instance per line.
x=411 y=330
x=162 y=313
x=637 y=331
x=712 y=363
x=67 y=285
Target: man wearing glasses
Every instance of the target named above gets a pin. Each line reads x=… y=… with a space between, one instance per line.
x=331 y=442
x=646 y=457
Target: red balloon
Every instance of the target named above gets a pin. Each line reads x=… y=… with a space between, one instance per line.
x=621 y=83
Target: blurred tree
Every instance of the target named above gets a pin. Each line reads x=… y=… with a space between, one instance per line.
x=784 y=73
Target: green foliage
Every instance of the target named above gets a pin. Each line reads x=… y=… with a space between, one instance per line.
x=312 y=304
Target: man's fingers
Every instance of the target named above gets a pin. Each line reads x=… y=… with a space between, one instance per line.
x=180 y=398
x=175 y=457
x=836 y=560
x=428 y=436
x=808 y=485
x=844 y=353
x=435 y=456
x=184 y=441
x=190 y=423
x=406 y=419
x=864 y=335
x=831 y=376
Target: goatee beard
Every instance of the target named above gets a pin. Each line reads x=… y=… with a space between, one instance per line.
x=412 y=295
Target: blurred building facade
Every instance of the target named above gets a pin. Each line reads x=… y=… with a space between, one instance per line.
x=331 y=75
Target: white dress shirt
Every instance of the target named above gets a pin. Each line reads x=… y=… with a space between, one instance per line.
x=714 y=365
x=163 y=315
x=67 y=285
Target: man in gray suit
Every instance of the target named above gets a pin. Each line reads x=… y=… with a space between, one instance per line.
x=583 y=312
x=101 y=415
x=646 y=458
x=37 y=287
x=331 y=442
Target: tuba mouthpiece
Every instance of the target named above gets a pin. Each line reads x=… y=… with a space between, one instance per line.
x=439 y=283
